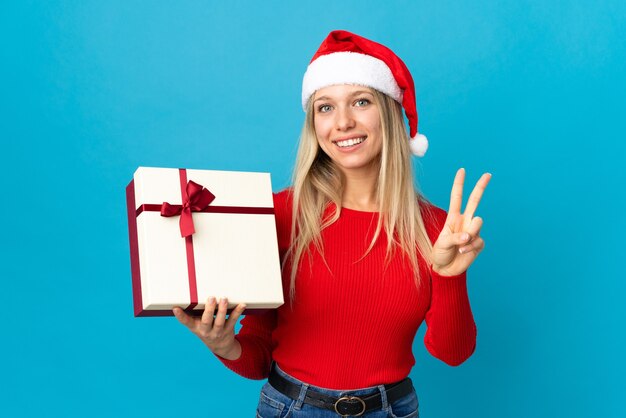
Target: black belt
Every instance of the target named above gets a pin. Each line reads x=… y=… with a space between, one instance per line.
x=345 y=405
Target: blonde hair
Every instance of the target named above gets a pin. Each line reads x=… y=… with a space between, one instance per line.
x=317 y=183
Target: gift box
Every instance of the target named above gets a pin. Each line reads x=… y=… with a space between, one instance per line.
x=200 y=233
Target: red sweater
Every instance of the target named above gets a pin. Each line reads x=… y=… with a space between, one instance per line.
x=352 y=323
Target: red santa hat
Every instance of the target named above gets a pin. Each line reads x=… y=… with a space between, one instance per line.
x=346 y=58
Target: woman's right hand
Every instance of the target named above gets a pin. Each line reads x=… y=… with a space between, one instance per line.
x=217 y=332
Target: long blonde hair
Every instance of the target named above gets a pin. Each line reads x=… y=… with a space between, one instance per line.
x=317 y=182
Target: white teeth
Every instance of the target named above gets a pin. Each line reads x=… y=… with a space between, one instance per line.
x=350 y=142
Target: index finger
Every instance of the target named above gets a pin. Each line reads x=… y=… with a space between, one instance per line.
x=477 y=194
x=209 y=310
x=456 y=196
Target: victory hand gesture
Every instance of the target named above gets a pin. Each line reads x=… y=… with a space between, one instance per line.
x=459 y=242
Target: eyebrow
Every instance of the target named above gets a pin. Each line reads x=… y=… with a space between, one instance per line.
x=355 y=93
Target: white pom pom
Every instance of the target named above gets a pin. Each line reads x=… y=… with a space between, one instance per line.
x=418 y=145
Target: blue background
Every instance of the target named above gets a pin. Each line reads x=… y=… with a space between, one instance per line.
x=531 y=91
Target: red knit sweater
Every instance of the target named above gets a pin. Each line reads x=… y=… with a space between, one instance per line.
x=353 y=322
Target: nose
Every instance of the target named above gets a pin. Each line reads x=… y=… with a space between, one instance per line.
x=344 y=119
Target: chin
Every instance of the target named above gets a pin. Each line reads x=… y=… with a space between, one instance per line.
x=356 y=165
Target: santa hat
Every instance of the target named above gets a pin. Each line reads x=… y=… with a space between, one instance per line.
x=346 y=58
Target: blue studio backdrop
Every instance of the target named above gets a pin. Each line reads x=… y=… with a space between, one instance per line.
x=532 y=91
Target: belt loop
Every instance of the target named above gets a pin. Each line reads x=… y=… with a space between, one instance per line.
x=300 y=400
x=383 y=397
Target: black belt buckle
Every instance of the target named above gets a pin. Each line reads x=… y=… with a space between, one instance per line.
x=347 y=406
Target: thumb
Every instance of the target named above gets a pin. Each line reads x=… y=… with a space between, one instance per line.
x=447 y=241
x=183 y=318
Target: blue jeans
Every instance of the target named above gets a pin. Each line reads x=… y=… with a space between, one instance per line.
x=273 y=404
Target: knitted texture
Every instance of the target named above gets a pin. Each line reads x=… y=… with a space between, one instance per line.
x=353 y=320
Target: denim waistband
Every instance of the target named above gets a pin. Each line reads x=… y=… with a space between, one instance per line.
x=332 y=392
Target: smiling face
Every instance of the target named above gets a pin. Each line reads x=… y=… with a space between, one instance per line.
x=348 y=129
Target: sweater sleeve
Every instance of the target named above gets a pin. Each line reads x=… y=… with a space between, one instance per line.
x=451 y=330
x=255 y=338
x=255 y=335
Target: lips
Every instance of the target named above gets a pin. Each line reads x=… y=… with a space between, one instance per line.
x=350 y=142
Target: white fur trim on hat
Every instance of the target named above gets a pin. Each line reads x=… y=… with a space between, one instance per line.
x=349 y=68
x=418 y=145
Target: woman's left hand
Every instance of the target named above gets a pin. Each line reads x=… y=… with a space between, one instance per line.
x=459 y=242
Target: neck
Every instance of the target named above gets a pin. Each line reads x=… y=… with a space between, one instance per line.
x=359 y=190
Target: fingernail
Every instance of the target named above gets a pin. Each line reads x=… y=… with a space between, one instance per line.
x=461 y=250
x=465 y=237
x=212 y=299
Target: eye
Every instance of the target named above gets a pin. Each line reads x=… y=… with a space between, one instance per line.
x=362 y=102
x=324 y=108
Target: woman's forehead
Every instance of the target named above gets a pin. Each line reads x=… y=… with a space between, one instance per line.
x=341 y=90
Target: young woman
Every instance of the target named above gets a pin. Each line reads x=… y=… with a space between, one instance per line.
x=366 y=258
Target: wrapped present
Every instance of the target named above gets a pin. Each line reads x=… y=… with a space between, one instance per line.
x=200 y=233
